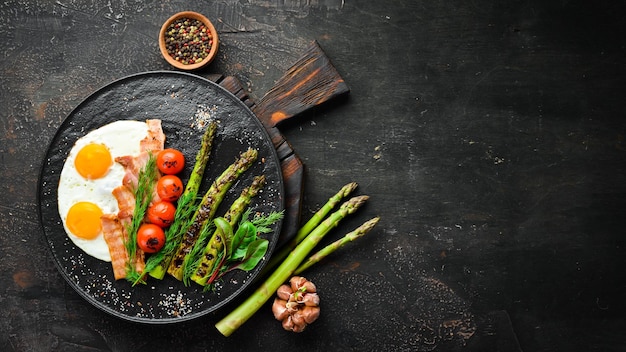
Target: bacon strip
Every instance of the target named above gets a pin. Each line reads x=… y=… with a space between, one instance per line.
x=113 y=231
x=140 y=260
x=115 y=236
x=132 y=166
x=156 y=138
x=125 y=202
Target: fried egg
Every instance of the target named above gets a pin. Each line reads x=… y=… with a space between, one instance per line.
x=88 y=177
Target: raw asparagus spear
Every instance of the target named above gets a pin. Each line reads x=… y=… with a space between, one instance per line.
x=207 y=208
x=308 y=227
x=263 y=293
x=186 y=203
x=216 y=243
x=349 y=237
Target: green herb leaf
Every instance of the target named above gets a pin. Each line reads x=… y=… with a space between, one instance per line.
x=254 y=254
x=223 y=226
x=246 y=233
x=242 y=250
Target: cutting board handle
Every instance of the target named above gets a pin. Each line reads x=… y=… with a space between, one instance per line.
x=308 y=83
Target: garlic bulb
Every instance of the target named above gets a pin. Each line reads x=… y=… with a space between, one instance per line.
x=296 y=304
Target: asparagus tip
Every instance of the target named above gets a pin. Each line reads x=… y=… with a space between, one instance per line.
x=368 y=225
x=354 y=203
x=347 y=189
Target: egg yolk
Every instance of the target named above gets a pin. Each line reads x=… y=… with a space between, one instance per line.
x=93 y=161
x=83 y=220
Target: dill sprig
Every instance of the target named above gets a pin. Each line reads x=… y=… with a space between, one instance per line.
x=192 y=259
x=263 y=223
x=182 y=221
x=143 y=196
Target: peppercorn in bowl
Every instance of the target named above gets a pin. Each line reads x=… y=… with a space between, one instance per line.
x=188 y=41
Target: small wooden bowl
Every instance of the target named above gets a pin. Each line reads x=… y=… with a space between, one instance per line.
x=188 y=66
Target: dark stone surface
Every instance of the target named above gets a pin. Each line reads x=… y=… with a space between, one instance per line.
x=489 y=135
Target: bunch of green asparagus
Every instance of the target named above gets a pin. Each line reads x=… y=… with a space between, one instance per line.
x=290 y=260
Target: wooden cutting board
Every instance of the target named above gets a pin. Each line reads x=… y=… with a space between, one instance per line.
x=311 y=81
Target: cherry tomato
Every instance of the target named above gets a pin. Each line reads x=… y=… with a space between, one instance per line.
x=169 y=188
x=161 y=213
x=150 y=238
x=170 y=161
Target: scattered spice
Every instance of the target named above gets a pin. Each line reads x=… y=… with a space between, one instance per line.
x=296 y=304
x=188 y=40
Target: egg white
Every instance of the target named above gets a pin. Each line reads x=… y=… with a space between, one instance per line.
x=122 y=138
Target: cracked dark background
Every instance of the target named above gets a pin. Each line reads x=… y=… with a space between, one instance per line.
x=489 y=135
